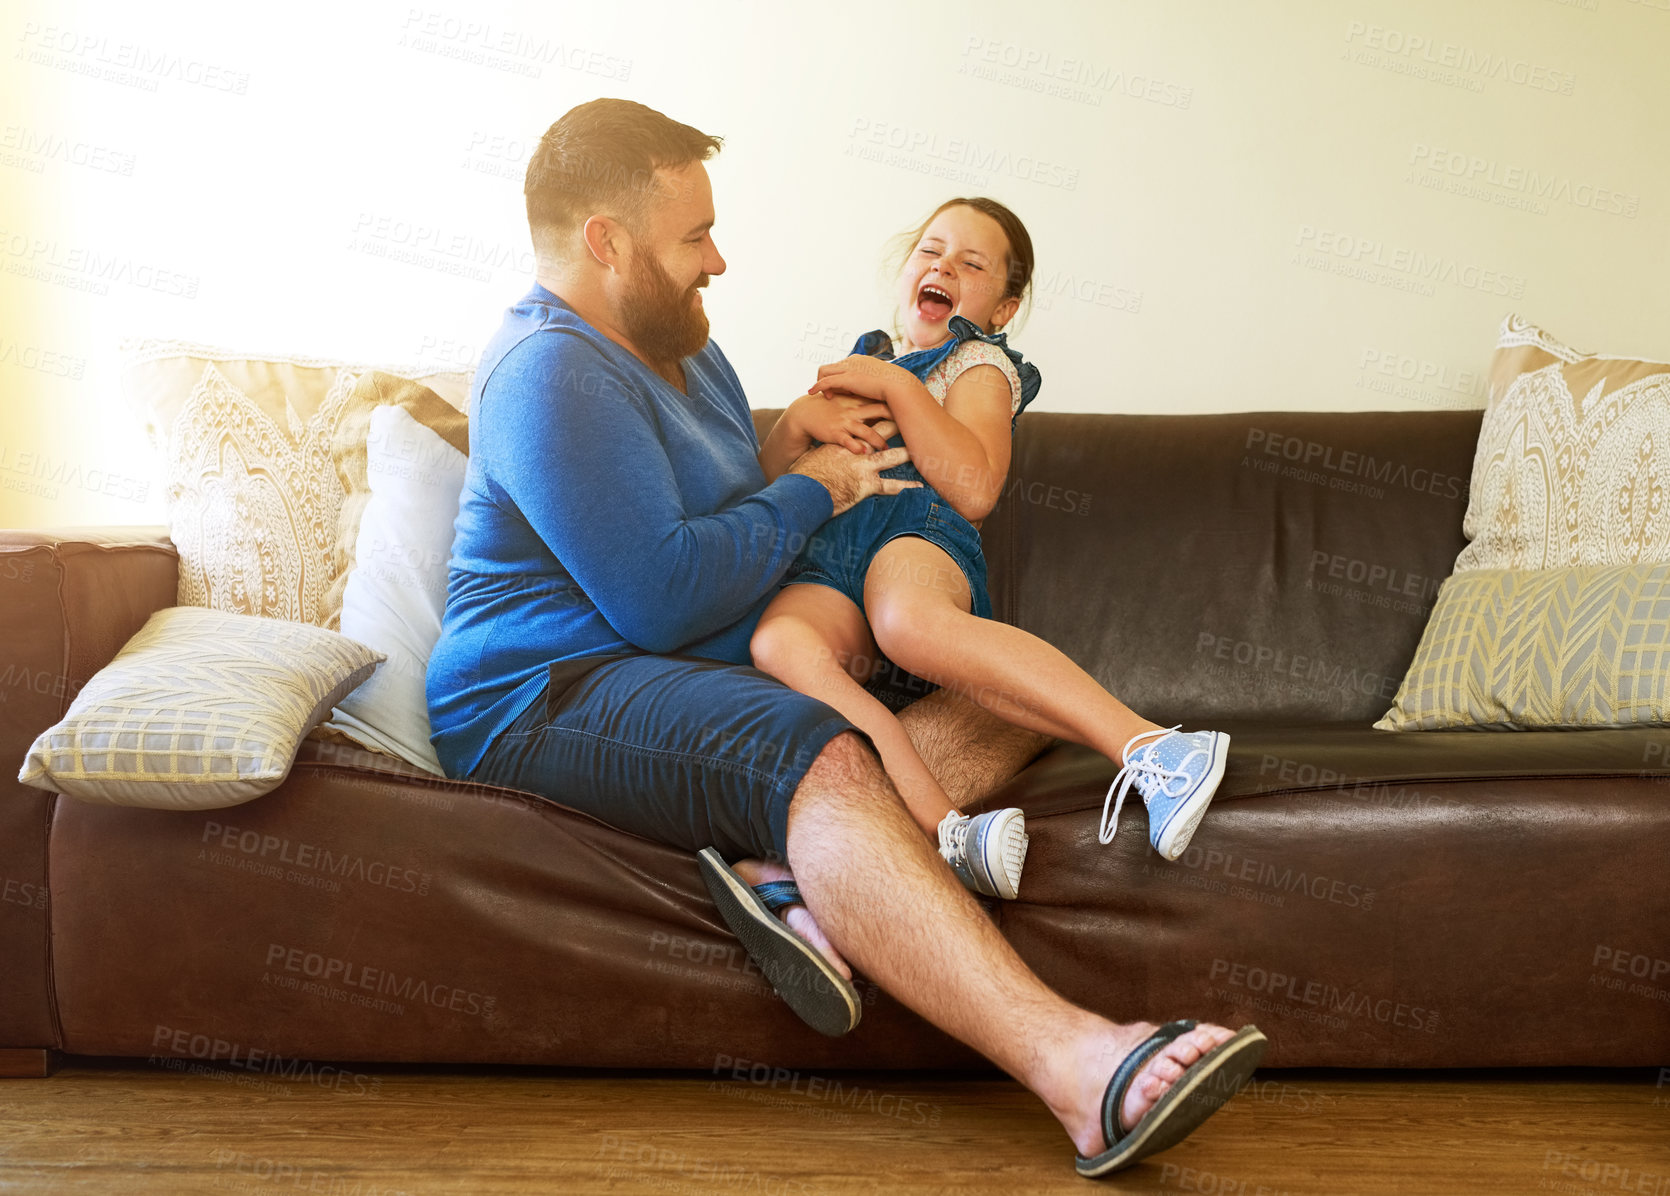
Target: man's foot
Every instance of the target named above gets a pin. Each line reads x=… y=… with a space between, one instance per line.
x=820 y=993
x=1201 y=1090
x=796 y=917
x=986 y=851
x=1176 y=774
x=1083 y=1119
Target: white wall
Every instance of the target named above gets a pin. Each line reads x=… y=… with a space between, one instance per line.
x=1236 y=206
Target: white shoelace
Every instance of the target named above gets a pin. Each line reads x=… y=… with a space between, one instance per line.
x=1127 y=777
x=954 y=837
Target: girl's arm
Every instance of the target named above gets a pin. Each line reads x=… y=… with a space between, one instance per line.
x=962 y=448
x=783 y=444
x=814 y=418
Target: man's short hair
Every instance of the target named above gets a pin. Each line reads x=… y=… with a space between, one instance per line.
x=600 y=158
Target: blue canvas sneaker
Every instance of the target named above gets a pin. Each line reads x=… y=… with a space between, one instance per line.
x=1177 y=774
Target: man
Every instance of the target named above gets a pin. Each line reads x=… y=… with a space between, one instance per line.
x=616 y=542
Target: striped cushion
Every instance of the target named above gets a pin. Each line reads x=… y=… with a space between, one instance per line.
x=201 y=709
x=1514 y=648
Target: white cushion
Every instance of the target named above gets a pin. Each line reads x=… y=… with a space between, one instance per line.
x=397 y=590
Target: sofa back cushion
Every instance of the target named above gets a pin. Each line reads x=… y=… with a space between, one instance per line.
x=1272 y=567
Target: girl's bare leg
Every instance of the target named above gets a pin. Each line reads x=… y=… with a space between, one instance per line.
x=814 y=640
x=918 y=606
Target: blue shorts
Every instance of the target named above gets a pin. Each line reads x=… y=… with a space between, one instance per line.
x=839 y=554
x=688 y=752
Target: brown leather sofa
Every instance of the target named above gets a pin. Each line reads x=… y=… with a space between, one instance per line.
x=1368 y=899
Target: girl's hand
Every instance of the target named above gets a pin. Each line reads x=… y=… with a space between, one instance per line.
x=867 y=377
x=841 y=419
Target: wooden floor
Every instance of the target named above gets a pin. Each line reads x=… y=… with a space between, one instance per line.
x=132 y=1127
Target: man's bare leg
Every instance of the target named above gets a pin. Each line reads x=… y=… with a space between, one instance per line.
x=970 y=751
x=889 y=904
x=967 y=748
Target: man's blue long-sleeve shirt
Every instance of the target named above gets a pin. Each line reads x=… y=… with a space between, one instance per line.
x=602 y=512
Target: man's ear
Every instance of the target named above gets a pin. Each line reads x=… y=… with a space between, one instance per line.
x=1004 y=312
x=608 y=241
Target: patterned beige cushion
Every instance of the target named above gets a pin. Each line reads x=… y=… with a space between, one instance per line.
x=1582 y=647
x=200 y=709
x=254 y=497
x=1573 y=463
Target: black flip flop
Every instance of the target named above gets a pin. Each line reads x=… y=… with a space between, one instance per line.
x=824 y=999
x=1197 y=1094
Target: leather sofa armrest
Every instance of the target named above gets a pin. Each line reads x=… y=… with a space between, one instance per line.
x=136 y=536
x=69 y=599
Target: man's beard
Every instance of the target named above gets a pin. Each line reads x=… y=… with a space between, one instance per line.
x=659 y=317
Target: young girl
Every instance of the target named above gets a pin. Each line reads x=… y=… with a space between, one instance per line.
x=903 y=576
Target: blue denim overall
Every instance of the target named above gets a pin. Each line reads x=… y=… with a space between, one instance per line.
x=840 y=553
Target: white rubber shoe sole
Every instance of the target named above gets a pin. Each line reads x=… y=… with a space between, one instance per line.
x=993 y=851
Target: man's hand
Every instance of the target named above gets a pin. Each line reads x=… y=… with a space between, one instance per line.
x=840 y=419
x=851 y=477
